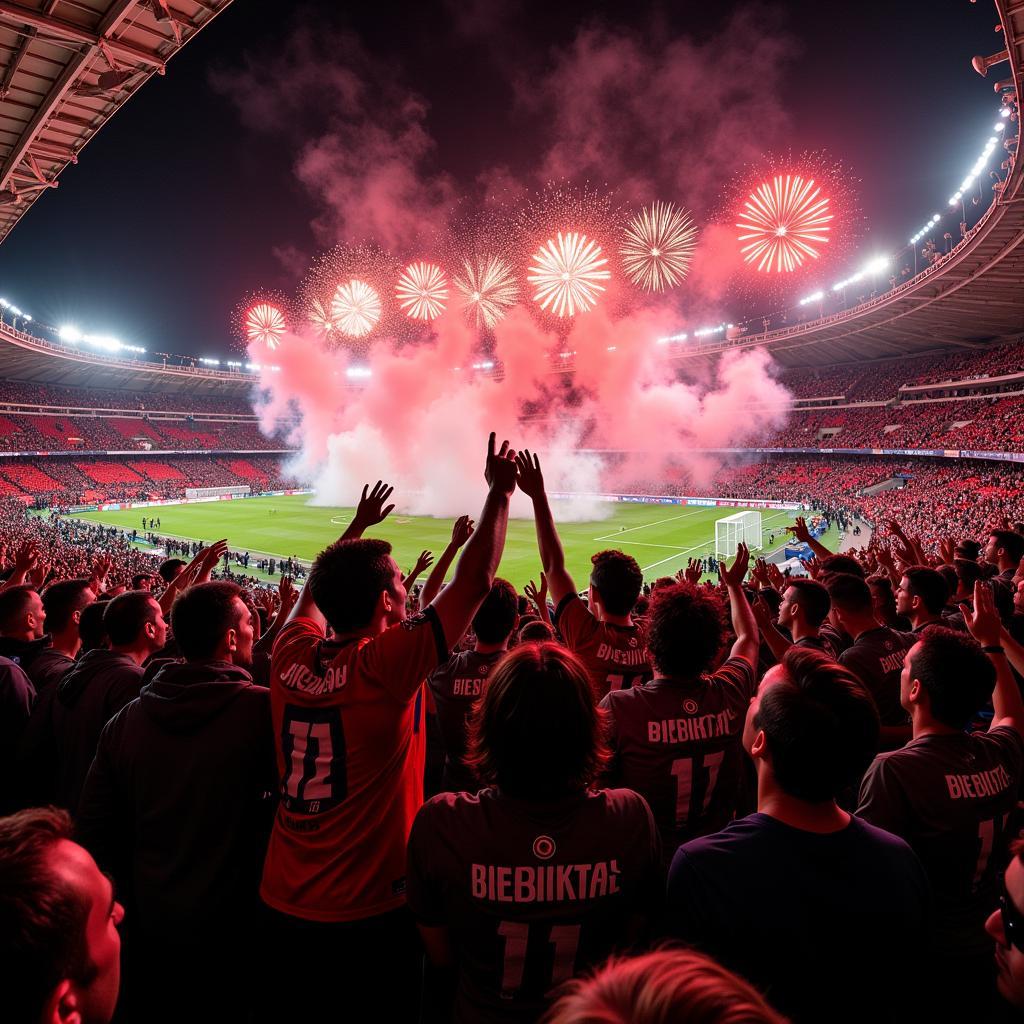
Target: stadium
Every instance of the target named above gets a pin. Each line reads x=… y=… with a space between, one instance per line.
x=871 y=405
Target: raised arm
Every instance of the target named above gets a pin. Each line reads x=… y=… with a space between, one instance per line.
x=801 y=532
x=986 y=628
x=370 y=511
x=457 y=603
x=197 y=571
x=462 y=530
x=743 y=623
x=423 y=562
x=531 y=482
x=777 y=642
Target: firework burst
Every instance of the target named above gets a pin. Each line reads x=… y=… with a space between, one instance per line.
x=567 y=274
x=488 y=289
x=658 y=246
x=265 y=323
x=422 y=291
x=785 y=222
x=355 y=308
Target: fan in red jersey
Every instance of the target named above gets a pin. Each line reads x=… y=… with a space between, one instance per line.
x=607 y=640
x=347 y=710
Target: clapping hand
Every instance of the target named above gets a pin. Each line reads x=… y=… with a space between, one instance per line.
x=528 y=474
x=983 y=621
x=735 y=576
x=692 y=573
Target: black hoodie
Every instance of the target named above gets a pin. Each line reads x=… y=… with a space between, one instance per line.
x=22 y=652
x=179 y=801
x=99 y=685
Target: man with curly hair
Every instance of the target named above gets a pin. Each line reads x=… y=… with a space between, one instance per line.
x=676 y=739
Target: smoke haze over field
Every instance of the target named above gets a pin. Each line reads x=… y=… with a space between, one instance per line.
x=651 y=114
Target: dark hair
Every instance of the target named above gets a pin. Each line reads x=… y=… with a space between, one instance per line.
x=948 y=574
x=61 y=601
x=202 y=615
x=970 y=549
x=42 y=918
x=536 y=631
x=849 y=593
x=820 y=723
x=1012 y=543
x=813 y=598
x=927 y=584
x=14 y=603
x=685 y=630
x=967 y=572
x=91 y=628
x=617 y=579
x=769 y=595
x=169 y=568
x=126 y=615
x=138 y=579
x=496 y=617
x=842 y=563
x=955 y=674
x=347 y=578
x=523 y=604
x=537 y=732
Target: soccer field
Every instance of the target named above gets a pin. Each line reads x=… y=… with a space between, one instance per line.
x=660 y=537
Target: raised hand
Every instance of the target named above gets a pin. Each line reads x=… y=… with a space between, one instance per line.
x=462 y=530
x=692 y=573
x=775 y=577
x=538 y=595
x=800 y=530
x=287 y=593
x=983 y=621
x=425 y=560
x=26 y=557
x=947 y=550
x=528 y=474
x=762 y=613
x=500 y=468
x=371 y=509
x=37 y=576
x=735 y=576
x=813 y=566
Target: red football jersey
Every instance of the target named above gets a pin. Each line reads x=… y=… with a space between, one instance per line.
x=348 y=724
x=615 y=656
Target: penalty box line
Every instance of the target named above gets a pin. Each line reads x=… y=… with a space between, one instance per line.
x=698 y=547
x=659 y=522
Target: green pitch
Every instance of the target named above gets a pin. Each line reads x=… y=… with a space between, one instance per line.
x=660 y=537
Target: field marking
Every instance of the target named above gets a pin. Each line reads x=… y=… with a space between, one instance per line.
x=711 y=542
x=340 y=520
x=658 y=522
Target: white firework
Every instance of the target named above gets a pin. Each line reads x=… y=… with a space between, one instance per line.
x=488 y=289
x=658 y=246
x=567 y=273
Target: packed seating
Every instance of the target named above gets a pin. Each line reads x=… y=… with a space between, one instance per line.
x=736 y=766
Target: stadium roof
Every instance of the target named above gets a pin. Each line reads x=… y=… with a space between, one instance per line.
x=27 y=358
x=66 y=68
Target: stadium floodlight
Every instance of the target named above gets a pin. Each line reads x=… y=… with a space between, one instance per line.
x=358 y=372
x=28 y=319
x=814 y=297
x=1005 y=112
x=70 y=334
x=998 y=126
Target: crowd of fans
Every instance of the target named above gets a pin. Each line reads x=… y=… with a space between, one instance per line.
x=881 y=380
x=761 y=799
x=69 y=481
x=22 y=393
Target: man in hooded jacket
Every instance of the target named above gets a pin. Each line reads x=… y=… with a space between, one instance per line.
x=101 y=683
x=178 y=806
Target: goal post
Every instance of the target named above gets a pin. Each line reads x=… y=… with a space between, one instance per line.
x=741 y=527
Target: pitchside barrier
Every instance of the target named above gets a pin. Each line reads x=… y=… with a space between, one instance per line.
x=662 y=499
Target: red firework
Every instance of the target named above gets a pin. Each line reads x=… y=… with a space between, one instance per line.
x=785 y=222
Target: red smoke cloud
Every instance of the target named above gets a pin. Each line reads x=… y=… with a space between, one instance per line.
x=655 y=117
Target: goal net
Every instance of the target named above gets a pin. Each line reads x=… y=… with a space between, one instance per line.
x=740 y=528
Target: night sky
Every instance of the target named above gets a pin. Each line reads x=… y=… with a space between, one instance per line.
x=181 y=204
